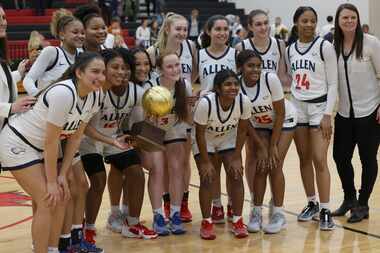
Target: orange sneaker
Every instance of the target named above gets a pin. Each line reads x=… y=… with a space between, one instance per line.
x=207 y=230
x=217 y=215
x=89 y=235
x=239 y=229
x=229 y=213
x=186 y=215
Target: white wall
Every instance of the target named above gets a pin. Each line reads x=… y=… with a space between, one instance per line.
x=285 y=8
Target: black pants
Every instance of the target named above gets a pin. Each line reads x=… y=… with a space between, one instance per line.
x=365 y=133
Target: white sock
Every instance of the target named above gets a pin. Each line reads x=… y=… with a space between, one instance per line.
x=324 y=205
x=235 y=218
x=65 y=236
x=312 y=199
x=115 y=209
x=132 y=220
x=90 y=226
x=252 y=198
x=53 y=250
x=76 y=226
x=217 y=202
x=158 y=211
x=124 y=209
x=174 y=209
x=208 y=219
x=277 y=209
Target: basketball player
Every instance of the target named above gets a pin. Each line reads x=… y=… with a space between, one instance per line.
x=221 y=119
x=215 y=56
x=175 y=139
x=275 y=120
x=53 y=61
x=30 y=144
x=312 y=64
x=172 y=38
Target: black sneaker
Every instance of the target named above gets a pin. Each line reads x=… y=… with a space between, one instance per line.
x=309 y=211
x=325 y=220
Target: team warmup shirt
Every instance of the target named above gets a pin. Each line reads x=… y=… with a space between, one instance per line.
x=313 y=67
x=271 y=56
x=48 y=67
x=209 y=65
x=221 y=123
x=168 y=121
x=59 y=105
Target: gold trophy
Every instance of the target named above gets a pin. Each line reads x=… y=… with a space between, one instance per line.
x=157 y=102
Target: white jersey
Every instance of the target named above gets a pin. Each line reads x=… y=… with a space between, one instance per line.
x=168 y=121
x=221 y=123
x=271 y=56
x=267 y=90
x=209 y=65
x=115 y=109
x=31 y=125
x=307 y=69
x=63 y=61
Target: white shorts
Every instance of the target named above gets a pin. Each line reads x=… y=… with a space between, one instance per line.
x=309 y=114
x=15 y=153
x=217 y=145
x=177 y=133
x=90 y=146
x=290 y=121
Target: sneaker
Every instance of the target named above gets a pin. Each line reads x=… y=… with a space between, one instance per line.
x=175 y=224
x=276 y=223
x=167 y=211
x=186 y=215
x=217 y=215
x=139 y=231
x=115 y=222
x=89 y=235
x=309 y=211
x=85 y=246
x=239 y=229
x=255 y=221
x=229 y=213
x=207 y=230
x=159 y=225
x=325 y=220
x=69 y=250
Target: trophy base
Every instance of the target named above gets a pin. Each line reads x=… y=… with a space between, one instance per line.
x=148 y=137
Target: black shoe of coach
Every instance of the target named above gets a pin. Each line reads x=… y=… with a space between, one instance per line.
x=358 y=214
x=346 y=206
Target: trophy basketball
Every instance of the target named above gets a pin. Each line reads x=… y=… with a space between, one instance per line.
x=157 y=102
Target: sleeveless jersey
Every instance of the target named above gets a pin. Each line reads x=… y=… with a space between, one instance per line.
x=209 y=65
x=31 y=125
x=168 y=121
x=54 y=72
x=115 y=109
x=271 y=56
x=307 y=70
x=221 y=123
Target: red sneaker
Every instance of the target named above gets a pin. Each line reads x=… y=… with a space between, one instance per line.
x=139 y=231
x=167 y=210
x=239 y=229
x=207 y=230
x=229 y=213
x=186 y=215
x=89 y=235
x=217 y=215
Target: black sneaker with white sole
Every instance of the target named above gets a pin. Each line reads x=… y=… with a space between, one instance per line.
x=325 y=220
x=309 y=211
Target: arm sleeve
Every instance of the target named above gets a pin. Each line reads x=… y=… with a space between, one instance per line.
x=43 y=61
x=275 y=87
x=201 y=112
x=331 y=70
x=247 y=108
x=375 y=55
x=60 y=99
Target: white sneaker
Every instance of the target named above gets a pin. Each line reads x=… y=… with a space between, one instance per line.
x=115 y=222
x=276 y=223
x=255 y=221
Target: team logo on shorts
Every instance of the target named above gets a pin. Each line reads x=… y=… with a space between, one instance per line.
x=18 y=151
